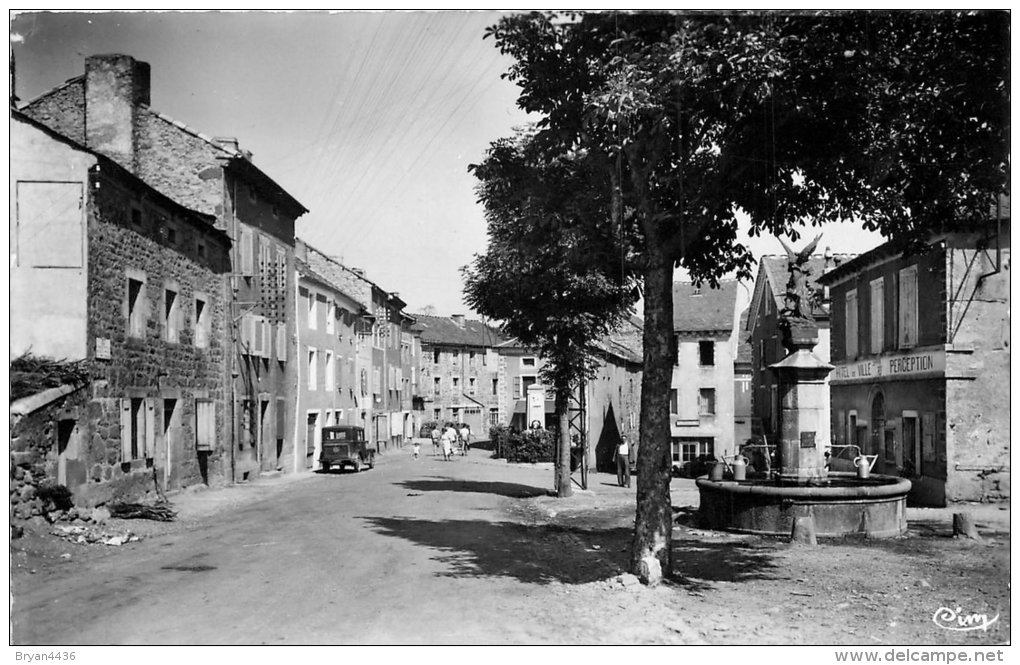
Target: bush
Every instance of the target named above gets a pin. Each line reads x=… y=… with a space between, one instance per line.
x=530 y=446
x=56 y=495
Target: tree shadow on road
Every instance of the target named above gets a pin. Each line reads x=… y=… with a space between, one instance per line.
x=699 y=565
x=534 y=554
x=442 y=484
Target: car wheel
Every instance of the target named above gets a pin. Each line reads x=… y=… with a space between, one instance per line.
x=357 y=466
x=371 y=462
x=325 y=467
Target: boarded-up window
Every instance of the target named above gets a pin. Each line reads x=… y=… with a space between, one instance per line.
x=851 y=323
x=877 y=315
x=49 y=217
x=908 y=308
x=205 y=425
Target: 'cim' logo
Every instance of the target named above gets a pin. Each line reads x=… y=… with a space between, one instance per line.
x=950 y=619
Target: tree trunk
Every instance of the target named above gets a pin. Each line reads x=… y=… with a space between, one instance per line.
x=651 y=555
x=563 y=488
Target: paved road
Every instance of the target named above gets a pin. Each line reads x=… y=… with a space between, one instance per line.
x=409 y=552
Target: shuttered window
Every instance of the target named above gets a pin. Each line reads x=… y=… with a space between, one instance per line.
x=205 y=425
x=851 y=323
x=281 y=342
x=908 y=308
x=247 y=253
x=137 y=428
x=877 y=315
x=517 y=387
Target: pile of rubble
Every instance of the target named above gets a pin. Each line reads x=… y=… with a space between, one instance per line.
x=91 y=535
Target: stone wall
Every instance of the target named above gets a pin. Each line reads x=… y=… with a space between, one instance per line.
x=150 y=367
x=35 y=455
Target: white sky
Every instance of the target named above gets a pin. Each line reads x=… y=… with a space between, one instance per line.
x=369 y=119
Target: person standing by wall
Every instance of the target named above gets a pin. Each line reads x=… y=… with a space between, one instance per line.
x=623 y=462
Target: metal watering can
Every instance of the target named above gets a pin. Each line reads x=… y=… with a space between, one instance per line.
x=739 y=467
x=715 y=472
x=864 y=465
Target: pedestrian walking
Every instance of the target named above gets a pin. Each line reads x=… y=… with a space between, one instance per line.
x=465 y=438
x=448 y=437
x=623 y=463
x=435 y=440
x=416 y=446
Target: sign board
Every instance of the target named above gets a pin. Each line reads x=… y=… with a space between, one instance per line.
x=102 y=348
x=915 y=365
x=536 y=404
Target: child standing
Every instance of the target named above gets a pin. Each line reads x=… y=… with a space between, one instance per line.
x=416 y=446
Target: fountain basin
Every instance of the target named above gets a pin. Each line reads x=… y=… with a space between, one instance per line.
x=874 y=507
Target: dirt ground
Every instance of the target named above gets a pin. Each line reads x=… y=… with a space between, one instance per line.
x=556 y=567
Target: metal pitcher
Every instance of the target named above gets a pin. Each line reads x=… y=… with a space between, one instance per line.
x=716 y=471
x=739 y=468
x=863 y=466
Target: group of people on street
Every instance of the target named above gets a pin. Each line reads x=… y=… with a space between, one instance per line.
x=452 y=440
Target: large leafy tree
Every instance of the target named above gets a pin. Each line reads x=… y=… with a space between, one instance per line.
x=898 y=120
x=551 y=273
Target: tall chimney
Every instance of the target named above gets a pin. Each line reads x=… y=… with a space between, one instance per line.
x=115 y=85
x=458 y=319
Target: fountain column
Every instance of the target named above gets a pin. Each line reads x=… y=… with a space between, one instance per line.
x=803 y=407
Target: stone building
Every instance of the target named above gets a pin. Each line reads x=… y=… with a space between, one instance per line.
x=460 y=379
x=329 y=347
x=107 y=269
x=107 y=110
x=920 y=346
x=765 y=339
x=612 y=399
x=387 y=359
x=702 y=407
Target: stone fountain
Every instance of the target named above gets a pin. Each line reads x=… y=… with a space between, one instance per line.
x=801 y=486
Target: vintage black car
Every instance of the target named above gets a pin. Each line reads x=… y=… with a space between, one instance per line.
x=345 y=446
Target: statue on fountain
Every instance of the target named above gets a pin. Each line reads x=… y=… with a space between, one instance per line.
x=795 y=319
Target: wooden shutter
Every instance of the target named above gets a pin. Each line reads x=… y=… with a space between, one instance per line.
x=877 y=315
x=266 y=339
x=150 y=428
x=281 y=342
x=246 y=250
x=851 y=323
x=125 y=430
x=205 y=425
x=908 y=307
x=517 y=387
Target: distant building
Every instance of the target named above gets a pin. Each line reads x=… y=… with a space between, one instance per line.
x=460 y=376
x=921 y=351
x=701 y=400
x=765 y=338
x=743 y=382
x=387 y=355
x=107 y=269
x=328 y=348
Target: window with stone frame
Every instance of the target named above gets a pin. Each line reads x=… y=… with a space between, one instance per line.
x=137 y=428
x=201 y=324
x=171 y=315
x=706 y=401
x=706 y=353
x=137 y=314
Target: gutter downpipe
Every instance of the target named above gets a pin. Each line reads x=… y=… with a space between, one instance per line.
x=297 y=371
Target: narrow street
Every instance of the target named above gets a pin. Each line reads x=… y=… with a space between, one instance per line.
x=410 y=552
x=474 y=551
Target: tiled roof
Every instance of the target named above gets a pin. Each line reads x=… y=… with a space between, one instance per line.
x=444 y=330
x=704 y=309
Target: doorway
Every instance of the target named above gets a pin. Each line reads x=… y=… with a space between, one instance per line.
x=877 y=433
